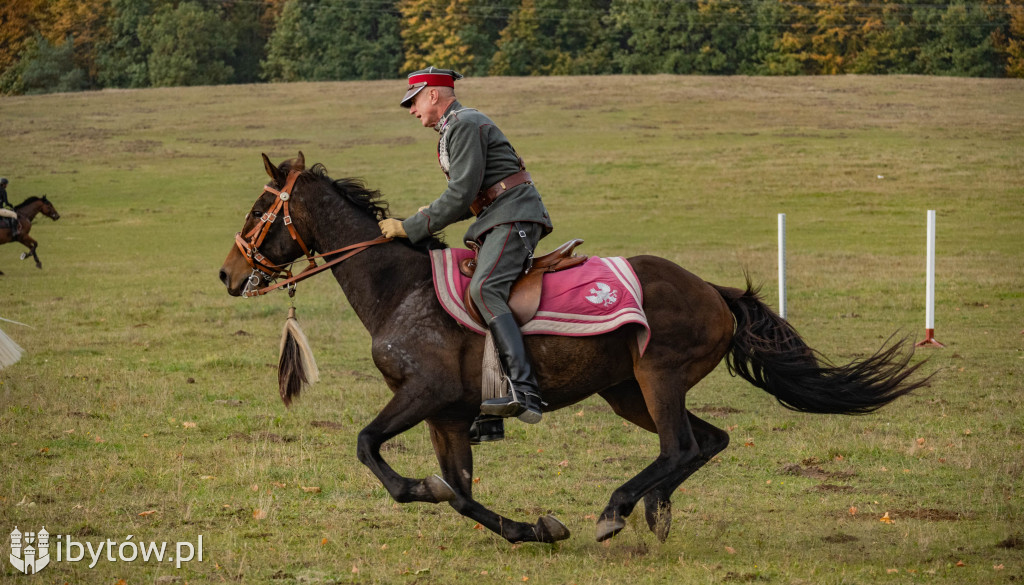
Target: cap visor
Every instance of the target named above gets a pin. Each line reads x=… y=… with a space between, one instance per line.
x=409 y=95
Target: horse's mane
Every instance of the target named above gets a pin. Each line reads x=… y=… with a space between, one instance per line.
x=31 y=199
x=369 y=201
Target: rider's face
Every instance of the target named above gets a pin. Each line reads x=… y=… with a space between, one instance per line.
x=425 y=106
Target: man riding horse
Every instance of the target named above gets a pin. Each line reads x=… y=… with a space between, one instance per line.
x=486 y=179
x=7 y=211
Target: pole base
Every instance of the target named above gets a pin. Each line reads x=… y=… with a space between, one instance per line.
x=929 y=340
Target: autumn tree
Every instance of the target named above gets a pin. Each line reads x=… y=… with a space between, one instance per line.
x=437 y=33
x=1014 y=39
x=86 y=22
x=19 y=23
x=891 y=41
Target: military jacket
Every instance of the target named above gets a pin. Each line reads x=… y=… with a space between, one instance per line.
x=474 y=154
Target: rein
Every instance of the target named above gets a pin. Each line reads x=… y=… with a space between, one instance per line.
x=250 y=242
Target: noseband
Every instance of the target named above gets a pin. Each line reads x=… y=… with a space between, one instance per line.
x=249 y=245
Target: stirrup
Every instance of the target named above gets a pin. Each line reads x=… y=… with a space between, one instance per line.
x=486 y=429
x=524 y=405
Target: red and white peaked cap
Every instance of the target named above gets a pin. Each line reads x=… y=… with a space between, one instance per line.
x=428 y=77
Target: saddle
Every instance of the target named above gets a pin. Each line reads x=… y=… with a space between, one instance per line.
x=525 y=296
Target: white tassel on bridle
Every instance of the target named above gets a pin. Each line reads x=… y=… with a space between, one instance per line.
x=296 y=368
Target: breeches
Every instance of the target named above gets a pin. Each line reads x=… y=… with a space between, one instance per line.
x=8 y=213
x=502 y=257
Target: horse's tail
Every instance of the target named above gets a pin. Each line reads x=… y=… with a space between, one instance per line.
x=769 y=353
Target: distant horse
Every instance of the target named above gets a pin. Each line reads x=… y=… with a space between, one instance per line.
x=27 y=211
x=433 y=365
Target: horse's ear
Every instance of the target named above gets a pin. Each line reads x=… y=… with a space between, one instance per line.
x=300 y=162
x=271 y=170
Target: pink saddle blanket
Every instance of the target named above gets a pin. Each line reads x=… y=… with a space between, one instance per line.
x=598 y=296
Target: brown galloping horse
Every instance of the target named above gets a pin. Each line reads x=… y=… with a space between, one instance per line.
x=27 y=211
x=433 y=365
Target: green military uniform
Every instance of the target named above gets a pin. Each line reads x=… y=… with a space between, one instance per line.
x=510 y=219
x=474 y=154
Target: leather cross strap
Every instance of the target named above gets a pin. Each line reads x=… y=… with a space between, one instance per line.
x=249 y=243
x=486 y=197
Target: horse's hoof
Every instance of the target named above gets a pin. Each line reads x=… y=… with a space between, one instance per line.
x=662 y=527
x=659 y=519
x=609 y=527
x=551 y=529
x=23 y=256
x=439 y=489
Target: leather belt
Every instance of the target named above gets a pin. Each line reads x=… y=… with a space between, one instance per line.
x=486 y=197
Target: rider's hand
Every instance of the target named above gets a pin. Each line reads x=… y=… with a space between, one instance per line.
x=392 y=228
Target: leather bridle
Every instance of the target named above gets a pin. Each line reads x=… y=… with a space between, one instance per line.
x=249 y=245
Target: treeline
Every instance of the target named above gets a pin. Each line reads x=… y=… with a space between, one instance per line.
x=71 y=45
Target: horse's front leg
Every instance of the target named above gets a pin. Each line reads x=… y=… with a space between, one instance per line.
x=31 y=245
x=400 y=415
x=451 y=445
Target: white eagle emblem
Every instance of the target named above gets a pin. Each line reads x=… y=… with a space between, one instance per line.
x=603 y=294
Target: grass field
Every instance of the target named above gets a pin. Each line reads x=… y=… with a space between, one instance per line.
x=146 y=401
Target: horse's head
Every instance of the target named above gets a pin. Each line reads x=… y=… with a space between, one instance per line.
x=48 y=209
x=270 y=238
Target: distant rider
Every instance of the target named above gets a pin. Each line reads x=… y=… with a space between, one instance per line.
x=7 y=211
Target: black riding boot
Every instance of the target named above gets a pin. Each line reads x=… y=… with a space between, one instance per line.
x=523 y=399
x=15 y=228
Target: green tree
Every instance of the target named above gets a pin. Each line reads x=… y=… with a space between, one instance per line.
x=253 y=23
x=707 y=36
x=960 y=41
x=188 y=45
x=555 y=37
x=122 y=59
x=658 y=35
x=334 y=40
x=44 y=67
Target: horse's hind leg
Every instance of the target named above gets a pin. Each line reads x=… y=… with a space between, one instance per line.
x=658 y=501
x=664 y=396
x=627 y=401
x=451 y=444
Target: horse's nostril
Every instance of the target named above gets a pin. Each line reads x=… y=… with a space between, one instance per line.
x=224 y=276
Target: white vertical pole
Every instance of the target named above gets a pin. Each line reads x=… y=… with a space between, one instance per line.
x=782 y=265
x=929 y=310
